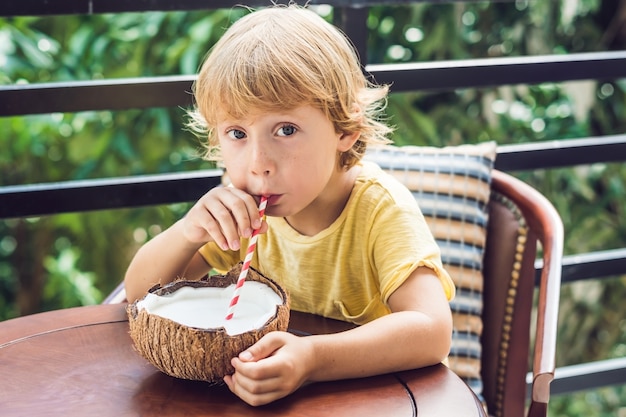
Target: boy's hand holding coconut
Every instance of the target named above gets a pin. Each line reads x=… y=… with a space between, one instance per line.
x=272 y=368
x=283 y=104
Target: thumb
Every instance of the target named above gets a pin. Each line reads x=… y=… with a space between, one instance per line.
x=265 y=347
x=264 y=227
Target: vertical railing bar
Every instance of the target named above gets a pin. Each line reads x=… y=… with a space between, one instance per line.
x=352 y=21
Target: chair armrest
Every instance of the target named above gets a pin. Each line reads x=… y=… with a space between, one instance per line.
x=117 y=296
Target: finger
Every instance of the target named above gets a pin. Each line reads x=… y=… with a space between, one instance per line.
x=265 y=347
x=224 y=227
x=228 y=380
x=254 y=392
x=256 y=379
x=201 y=224
x=263 y=228
x=251 y=210
x=265 y=369
x=194 y=222
x=243 y=209
x=228 y=207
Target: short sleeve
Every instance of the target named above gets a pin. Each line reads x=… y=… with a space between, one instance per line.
x=402 y=242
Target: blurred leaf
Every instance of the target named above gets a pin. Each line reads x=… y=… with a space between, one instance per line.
x=70 y=286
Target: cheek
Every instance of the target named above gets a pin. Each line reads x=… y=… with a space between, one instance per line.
x=233 y=167
x=231 y=155
x=314 y=168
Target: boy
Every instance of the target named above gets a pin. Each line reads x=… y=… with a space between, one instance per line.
x=289 y=113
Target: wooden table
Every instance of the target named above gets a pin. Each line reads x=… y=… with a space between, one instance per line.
x=81 y=362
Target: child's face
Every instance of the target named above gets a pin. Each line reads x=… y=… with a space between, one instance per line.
x=290 y=156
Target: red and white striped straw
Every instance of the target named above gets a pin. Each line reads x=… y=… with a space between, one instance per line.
x=246 y=263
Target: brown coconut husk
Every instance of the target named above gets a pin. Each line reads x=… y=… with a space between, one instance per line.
x=199 y=354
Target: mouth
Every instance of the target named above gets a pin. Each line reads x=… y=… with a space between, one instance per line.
x=272 y=199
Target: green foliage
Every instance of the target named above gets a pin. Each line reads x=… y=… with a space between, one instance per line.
x=603 y=402
x=66 y=284
x=59 y=147
x=74 y=259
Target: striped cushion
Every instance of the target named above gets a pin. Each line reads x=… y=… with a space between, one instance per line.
x=452 y=187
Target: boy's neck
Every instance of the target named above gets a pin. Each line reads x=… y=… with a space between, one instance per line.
x=327 y=208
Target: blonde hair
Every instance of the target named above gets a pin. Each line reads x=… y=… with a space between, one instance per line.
x=281 y=58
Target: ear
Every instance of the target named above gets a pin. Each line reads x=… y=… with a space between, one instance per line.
x=347 y=140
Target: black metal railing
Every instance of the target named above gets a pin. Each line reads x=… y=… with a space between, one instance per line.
x=351 y=15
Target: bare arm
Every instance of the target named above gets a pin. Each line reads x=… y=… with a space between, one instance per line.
x=163 y=259
x=417 y=334
x=223 y=215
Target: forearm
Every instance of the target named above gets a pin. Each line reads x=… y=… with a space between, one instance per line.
x=159 y=261
x=399 y=341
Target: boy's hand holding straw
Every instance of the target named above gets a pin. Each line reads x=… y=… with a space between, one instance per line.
x=246 y=263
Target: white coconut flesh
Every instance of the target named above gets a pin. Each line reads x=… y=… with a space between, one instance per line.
x=206 y=307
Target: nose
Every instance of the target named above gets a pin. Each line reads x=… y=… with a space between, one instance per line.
x=261 y=161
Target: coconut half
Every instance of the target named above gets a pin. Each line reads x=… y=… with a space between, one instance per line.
x=180 y=328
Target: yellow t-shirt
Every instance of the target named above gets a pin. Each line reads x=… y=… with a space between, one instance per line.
x=349 y=270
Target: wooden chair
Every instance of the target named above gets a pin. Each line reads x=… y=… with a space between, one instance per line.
x=519 y=217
